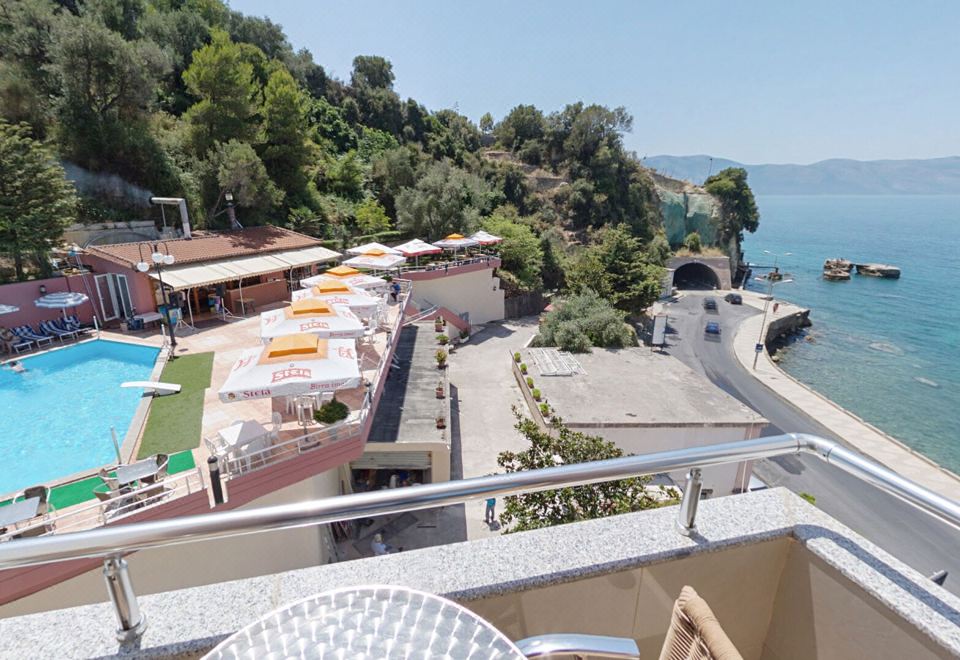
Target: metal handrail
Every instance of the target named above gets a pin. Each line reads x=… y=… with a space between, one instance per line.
x=111 y=542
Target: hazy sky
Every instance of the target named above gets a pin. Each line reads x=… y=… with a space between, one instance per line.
x=753 y=81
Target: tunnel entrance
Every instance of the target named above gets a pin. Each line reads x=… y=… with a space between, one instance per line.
x=696 y=276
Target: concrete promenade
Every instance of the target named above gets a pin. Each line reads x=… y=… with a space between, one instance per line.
x=859 y=434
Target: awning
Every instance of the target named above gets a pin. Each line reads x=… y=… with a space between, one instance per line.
x=226 y=270
x=391 y=460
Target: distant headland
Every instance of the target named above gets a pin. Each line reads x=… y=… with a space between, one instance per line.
x=837 y=176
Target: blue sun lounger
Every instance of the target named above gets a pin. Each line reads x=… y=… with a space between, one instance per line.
x=26 y=332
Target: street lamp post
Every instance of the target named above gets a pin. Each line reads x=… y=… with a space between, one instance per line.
x=766 y=303
x=160 y=260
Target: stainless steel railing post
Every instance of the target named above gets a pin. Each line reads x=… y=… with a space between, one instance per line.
x=687 y=517
x=130 y=621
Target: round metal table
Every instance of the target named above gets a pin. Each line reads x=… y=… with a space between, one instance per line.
x=369 y=622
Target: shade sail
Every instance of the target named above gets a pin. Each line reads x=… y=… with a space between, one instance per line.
x=61 y=300
x=226 y=270
x=8 y=309
x=456 y=242
x=417 y=248
x=484 y=238
x=332 y=365
x=370 y=247
x=360 y=304
x=311 y=316
x=358 y=281
x=375 y=260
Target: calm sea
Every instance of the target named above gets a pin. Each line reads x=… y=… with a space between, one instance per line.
x=887 y=350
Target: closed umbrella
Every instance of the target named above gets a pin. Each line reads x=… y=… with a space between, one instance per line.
x=8 y=309
x=291 y=366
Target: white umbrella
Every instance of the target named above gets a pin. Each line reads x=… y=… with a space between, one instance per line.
x=360 y=304
x=61 y=300
x=351 y=277
x=313 y=317
x=417 y=248
x=456 y=242
x=293 y=365
x=8 y=309
x=484 y=238
x=375 y=260
x=370 y=247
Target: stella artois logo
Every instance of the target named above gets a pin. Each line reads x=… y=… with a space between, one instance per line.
x=291 y=372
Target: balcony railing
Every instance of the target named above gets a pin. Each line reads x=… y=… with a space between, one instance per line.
x=111 y=543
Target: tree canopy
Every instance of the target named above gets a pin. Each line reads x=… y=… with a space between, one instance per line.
x=738 y=207
x=582 y=321
x=520 y=252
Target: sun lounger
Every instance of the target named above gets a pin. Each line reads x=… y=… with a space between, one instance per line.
x=26 y=332
x=49 y=328
x=14 y=342
x=73 y=323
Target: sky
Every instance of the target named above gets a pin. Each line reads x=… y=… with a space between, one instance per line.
x=753 y=81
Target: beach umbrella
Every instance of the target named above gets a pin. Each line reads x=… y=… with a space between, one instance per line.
x=61 y=300
x=291 y=366
x=351 y=277
x=417 y=248
x=376 y=260
x=8 y=309
x=359 y=303
x=369 y=247
x=456 y=242
x=311 y=316
x=484 y=238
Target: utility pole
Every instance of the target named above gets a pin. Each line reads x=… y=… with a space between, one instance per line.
x=761 y=340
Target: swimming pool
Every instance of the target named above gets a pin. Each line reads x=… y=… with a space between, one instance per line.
x=55 y=417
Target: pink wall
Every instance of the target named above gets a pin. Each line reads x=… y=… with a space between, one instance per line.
x=437 y=273
x=22 y=294
x=141 y=286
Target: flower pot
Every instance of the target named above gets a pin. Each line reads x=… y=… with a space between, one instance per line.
x=441 y=423
x=439 y=392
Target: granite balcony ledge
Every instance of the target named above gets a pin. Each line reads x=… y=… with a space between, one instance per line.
x=188 y=622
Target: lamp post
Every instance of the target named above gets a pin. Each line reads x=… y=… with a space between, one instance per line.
x=160 y=260
x=766 y=303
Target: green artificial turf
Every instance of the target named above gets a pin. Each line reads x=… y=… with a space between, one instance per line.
x=175 y=421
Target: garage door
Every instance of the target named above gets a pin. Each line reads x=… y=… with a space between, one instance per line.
x=393 y=460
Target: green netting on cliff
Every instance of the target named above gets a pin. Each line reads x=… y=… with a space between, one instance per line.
x=687 y=212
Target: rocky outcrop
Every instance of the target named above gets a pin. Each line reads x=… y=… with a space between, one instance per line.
x=686 y=208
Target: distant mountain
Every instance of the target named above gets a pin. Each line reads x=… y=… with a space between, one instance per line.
x=837 y=176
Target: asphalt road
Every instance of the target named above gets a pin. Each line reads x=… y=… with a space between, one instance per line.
x=912 y=536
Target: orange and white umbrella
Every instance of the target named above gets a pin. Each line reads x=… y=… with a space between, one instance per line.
x=293 y=365
x=352 y=277
x=456 y=242
x=331 y=292
x=310 y=316
x=417 y=248
x=369 y=247
x=376 y=259
x=485 y=238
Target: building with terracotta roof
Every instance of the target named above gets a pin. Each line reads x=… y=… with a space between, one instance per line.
x=232 y=270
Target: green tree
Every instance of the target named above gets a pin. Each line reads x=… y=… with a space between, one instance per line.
x=222 y=77
x=520 y=252
x=371 y=218
x=235 y=167
x=392 y=171
x=486 y=123
x=331 y=126
x=344 y=177
x=617 y=267
x=584 y=320
x=562 y=446
x=371 y=71
x=446 y=199
x=522 y=124
x=692 y=242
x=738 y=208
x=285 y=151
x=36 y=201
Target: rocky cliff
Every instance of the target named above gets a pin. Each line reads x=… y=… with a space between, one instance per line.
x=685 y=208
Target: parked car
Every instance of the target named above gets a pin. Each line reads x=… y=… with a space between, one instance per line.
x=713 y=328
x=710 y=304
x=734 y=298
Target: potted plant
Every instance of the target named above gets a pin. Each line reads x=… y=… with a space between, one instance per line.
x=331 y=412
x=443 y=339
x=441 y=358
x=529 y=382
x=438 y=325
x=516 y=357
x=440 y=390
x=441 y=422
x=545 y=409
x=523 y=367
x=536 y=394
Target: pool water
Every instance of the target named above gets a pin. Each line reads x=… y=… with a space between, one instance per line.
x=55 y=418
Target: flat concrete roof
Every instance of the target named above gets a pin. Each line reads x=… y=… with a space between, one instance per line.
x=638 y=387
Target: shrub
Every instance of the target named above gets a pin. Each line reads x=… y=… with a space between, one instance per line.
x=692 y=242
x=808 y=497
x=331 y=412
x=536 y=394
x=441 y=357
x=523 y=367
x=529 y=381
x=516 y=357
x=443 y=339
x=545 y=409
x=466 y=333
x=582 y=321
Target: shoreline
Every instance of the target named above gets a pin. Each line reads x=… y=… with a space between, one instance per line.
x=852 y=429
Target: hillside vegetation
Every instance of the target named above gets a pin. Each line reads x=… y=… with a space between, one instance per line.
x=190 y=98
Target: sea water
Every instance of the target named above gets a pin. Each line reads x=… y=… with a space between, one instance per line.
x=887 y=350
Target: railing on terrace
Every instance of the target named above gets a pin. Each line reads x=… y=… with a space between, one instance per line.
x=97 y=513
x=112 y=543
x=446 y=265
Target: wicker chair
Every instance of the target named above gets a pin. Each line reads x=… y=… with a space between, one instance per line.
x=695 y=633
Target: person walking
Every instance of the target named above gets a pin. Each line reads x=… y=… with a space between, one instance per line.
x=395 y=290
x=490 y=516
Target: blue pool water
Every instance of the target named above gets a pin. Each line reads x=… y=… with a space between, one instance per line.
x=55 y=418
x=888 y=350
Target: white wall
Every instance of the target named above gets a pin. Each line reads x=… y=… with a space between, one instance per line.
x=193 y=564
x=476 y=292
x=723 y=479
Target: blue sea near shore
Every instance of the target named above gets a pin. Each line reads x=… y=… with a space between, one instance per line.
x=887 y=350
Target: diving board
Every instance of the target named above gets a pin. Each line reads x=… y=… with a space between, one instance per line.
x=157 y=388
